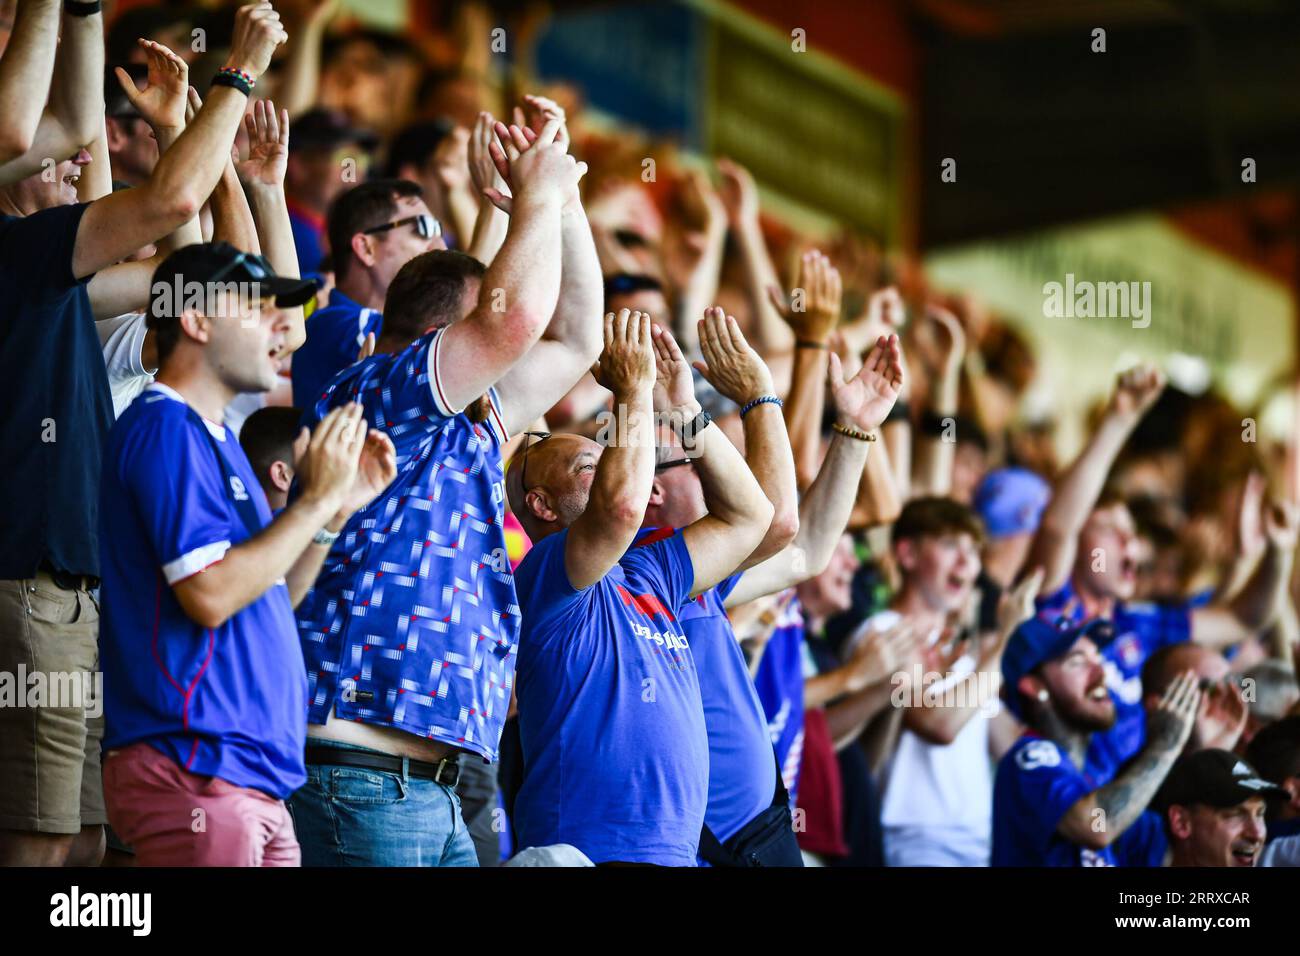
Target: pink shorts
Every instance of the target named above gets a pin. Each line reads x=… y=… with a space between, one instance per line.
x=172 y=817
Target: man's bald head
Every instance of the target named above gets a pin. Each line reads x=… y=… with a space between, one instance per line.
x=558 y=471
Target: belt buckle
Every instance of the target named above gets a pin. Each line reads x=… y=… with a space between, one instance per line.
x=449 y=765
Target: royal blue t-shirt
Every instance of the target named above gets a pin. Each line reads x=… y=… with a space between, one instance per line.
x=227 y=702
x=616 y=757
x=335 y=335
x=1036 y=784
x=1141 y=629
x=779 y=684
x=742 y=769
x=306 y=232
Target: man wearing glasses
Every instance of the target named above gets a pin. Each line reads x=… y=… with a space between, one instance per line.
x=611 y=720
x=374 y=230
x=409 y=633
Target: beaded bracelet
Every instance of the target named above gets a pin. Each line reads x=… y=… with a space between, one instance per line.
x=235 y=79
x=848 y=432
x=762 y=400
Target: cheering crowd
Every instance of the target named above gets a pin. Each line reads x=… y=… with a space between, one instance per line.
x=437 y=489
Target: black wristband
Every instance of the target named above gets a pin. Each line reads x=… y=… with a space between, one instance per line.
x=901 y=412
x=689 y=430
x=82 y=8
x=234 y=81
x=810 y=344
x=936 y=426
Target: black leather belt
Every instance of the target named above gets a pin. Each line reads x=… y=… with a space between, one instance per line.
x=445 y=771
x=69 y=582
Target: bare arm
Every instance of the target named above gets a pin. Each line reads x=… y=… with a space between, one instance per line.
x=1118 y=804
x=861 y=404
x=490 y=226
x=1259 y=602
x=524 y=279
x=738 y=373
x=297 y=91
x=698 y=258
x=328 y=470
x=572 y=340
x=770 y=334
x=620 y=489
x=76 y=94
x=1077 y=491
x=25 y=73
x=186 y=174
x=935 y=454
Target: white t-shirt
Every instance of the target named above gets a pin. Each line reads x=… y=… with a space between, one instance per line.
x=933 y=788
x=122 y=340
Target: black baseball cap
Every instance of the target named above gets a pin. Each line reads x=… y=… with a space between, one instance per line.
x=219 y=263
x=1213 y=778
x=329 y=128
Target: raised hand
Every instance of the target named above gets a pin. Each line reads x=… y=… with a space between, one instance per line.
x=730 y=364
x=1282 y=525
x=268 y=146
x=814 y=306
x=1170 y=722
x=327 y=466
x=162 y=102
x=1137 y=390
x=951 y=340
x=737 y=191
x=258 y=31
x=864 y=401
x=674 y=386
x=1016 y=605
x=1221 y=717
x=537 y=111
x=533 y=165
x=627 y=364
x=882 y=653
x=451 y=160
x=482 y=171
x=376 y=469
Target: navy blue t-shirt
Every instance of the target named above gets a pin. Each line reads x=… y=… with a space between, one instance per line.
x=1036 y=784
x=742 y=765
x=616 y=757
x=228 y=702
x=55 y=396
x=335 y=335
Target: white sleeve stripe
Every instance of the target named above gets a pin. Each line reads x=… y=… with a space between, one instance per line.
x=435 y=384
x=494 y=414
x=192 y=562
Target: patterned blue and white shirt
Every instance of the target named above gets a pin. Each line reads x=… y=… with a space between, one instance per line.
x=413 y=622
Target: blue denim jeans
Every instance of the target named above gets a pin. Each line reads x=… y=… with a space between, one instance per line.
x=346 y=816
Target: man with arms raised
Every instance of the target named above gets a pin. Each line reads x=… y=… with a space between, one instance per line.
x=611 y=718
x=1087 y=545
x=409 y=635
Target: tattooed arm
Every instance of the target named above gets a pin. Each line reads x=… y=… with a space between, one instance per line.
x=1122 y=800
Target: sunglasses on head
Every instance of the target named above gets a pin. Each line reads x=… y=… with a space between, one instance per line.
x=255 y=265
x=523 y=464
x=426 y=227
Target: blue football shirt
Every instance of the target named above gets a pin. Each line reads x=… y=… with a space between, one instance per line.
x=1036 y=784
x=226 y=702
x=779 y=683
x=412 y=622
x=335 y=335
x=742 y=770
x=1141 y=629
x=616 y=756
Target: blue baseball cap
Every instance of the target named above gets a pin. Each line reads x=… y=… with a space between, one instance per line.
x=1037 y=641
x=1011 y=501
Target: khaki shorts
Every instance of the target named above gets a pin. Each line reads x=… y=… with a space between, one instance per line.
x=51 y=719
